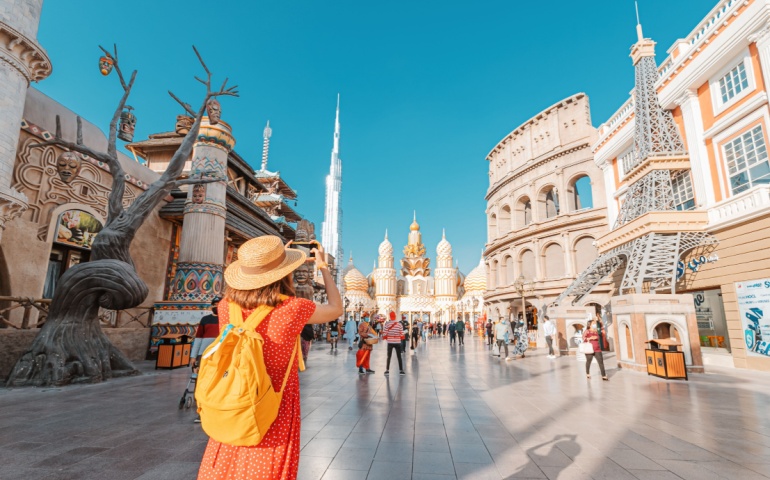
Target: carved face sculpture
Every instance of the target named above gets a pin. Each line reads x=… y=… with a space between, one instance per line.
x=199 y=193
x=127 y=125
x=214 y=110
x=183 y=124
x=68 y=165
x=105 y=65
x=302 y=275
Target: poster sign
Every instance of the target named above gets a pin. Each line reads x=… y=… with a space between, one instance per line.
x=754 y=308
x=77 y=228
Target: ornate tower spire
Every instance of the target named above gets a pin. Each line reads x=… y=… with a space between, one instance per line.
x=266 y=134
x=331 y=233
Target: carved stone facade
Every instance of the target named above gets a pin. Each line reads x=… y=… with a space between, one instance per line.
x=545 y=209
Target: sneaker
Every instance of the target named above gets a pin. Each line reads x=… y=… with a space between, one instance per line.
x=350 y=348
x=402 y=373
x=387 y=372
x=197 y=419
x=509 y=358
x=370 y=371
x=361 y=371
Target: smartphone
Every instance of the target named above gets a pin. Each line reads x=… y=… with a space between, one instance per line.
x=307 y=245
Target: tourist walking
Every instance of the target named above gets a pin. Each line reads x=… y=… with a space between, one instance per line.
x=591 y=336
x=424 y=330
x=460 y=331
x=415 y=334
x=549 y=330
x=333 y=334
x=489 y=332
x=503 y=334
x=393 y=332
x=452 y=334
x=405 y=337
x=260 y=292
x=351 y=329
x=365 y=331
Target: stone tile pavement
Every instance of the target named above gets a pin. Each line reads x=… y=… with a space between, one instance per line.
x=457 y=414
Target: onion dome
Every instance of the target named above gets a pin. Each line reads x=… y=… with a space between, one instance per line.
x=386 y=248
x=477 y=278
x=414 y=226
x=444 y=248
x=355 y=281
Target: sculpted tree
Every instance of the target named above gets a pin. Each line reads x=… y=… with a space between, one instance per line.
x=71 y=347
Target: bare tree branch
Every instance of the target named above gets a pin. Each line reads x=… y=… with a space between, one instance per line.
x=76 y=148
x=184 y=105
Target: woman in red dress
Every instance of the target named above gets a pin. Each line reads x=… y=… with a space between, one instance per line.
x=260 y=276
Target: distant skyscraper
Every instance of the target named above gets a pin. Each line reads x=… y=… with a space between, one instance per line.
x=331 y=233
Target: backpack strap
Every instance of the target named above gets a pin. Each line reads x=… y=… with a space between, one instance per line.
x=291 y=363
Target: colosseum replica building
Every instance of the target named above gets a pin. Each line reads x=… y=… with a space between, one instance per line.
x=545 y=208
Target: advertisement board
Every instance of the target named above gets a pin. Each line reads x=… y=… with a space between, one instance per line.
x=754 y=309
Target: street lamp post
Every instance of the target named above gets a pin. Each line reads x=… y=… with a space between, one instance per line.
x=519 y=285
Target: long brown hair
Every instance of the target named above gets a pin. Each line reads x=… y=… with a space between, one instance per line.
x=267 y=295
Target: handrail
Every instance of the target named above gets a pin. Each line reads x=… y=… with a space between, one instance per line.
x=109 y=318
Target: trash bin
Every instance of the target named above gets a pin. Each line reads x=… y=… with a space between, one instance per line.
x=173 y=351
x=665 y=358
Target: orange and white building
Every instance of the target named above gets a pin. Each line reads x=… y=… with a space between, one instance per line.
x=715 y=83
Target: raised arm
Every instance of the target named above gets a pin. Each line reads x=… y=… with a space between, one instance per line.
x=327 y=312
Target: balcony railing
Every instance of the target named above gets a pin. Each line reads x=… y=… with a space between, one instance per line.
x=740 y=208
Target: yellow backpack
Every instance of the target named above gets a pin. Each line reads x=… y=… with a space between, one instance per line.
x=236 y=400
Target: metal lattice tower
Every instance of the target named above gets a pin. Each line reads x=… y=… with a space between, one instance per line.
x=651 y=260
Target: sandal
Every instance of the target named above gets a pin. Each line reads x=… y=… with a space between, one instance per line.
x=605 y=379
x=588 y=375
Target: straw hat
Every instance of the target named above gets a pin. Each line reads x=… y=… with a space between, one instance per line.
x=262 y=261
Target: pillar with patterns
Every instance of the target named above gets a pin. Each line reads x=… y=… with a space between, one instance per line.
x=199 y=274
x=22 y=61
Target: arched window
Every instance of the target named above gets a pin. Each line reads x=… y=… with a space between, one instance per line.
x=493 y=275
x=549 y=202
x=527 y=264
x=523 y=212
x=585 y=254
x=581 y=196
x=509 y=276
x=505 y=220
x=554 y=261
x=492 y=227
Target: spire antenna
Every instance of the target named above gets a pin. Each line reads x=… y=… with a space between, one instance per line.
x=266 y=134
x=386 y=234
x=639 y=34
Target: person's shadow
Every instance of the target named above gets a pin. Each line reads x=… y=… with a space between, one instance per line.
x=563 y=449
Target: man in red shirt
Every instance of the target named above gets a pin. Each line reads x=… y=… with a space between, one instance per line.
x=393 y=333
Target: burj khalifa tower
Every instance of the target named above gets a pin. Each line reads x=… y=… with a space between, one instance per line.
x=331 y=232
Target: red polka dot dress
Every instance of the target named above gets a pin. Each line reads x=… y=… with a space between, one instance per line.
x=277 y=455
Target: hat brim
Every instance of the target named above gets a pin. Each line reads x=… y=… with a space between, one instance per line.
x=237 y=279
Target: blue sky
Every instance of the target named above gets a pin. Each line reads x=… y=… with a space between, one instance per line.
x=428 y=88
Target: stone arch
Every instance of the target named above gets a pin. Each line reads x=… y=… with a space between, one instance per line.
x=522 y=212
x=626 y=340
x=548 y=202
x=506 y=271
x=580 y=192
x=676 y=327
x=527 y=261
x=585 y=252
x=492 y=226
x=494 y=274
x=504 y=220
x=553 y=260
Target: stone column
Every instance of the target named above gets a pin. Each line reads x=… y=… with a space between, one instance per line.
x=200 y=271
x=609 y=189
x=22 y=61
x=699 y=162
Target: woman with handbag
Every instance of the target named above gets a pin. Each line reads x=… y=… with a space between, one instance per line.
x=590 y=347
x=368 y=337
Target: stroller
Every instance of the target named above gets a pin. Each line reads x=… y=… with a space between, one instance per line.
x=189 y=392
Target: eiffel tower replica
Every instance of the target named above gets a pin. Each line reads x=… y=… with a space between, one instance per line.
x=650 y=235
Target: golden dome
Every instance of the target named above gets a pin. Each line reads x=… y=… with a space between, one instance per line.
x=414 y=226
x=355 y=281
x=477 y=278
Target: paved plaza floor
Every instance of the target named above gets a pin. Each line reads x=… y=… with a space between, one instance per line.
x=458 y=413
